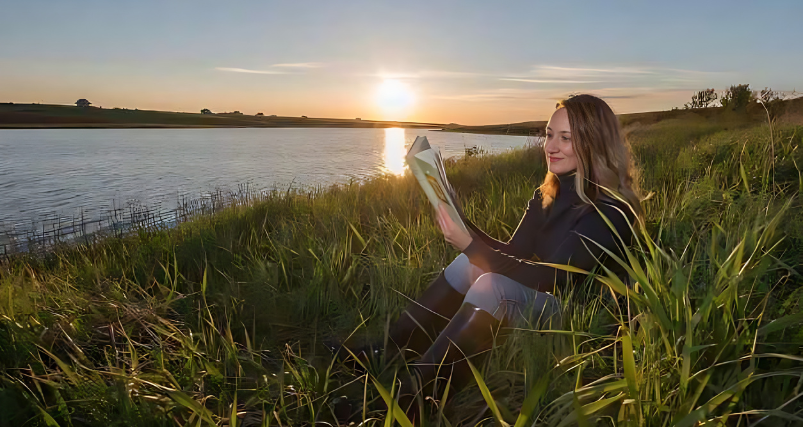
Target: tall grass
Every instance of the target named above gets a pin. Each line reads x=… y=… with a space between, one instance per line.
x=220 y=320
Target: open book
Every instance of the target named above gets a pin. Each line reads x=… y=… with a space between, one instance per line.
x=427 y=166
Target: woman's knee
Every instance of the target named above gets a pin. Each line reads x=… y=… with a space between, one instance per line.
x=486 y=293
x=461 y=273
x=503 y=297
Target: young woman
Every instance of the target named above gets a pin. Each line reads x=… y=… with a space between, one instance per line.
x=492 y=283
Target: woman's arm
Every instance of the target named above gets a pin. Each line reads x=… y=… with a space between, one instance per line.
x=578 y=250
x=518 y=245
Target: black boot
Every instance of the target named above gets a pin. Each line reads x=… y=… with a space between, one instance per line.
x=470 y=334
x=415 y=330
x=424 y=319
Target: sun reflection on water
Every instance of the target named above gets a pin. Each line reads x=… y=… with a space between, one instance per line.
x=395 y=151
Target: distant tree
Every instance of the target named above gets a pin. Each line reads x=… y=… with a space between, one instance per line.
x=83 y=103
x=702 y=99
x=771 y=100
x=206 y=111
x=737 y=97
x=767 y=95
x=260 y=114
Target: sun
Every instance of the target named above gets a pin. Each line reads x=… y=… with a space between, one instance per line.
x=394 y=98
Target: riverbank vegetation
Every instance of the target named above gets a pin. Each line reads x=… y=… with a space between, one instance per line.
x=220 y=321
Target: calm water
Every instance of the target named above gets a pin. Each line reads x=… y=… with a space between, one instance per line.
x=46 y=172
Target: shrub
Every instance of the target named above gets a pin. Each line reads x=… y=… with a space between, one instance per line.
x=771 y=100
x=737 y=97
x=702 y=99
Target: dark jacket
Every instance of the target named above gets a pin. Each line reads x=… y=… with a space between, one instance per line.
x=560 y=234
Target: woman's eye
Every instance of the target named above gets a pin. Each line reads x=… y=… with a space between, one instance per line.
x=564 y=138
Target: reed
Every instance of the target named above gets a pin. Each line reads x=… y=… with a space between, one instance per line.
x=219 y=320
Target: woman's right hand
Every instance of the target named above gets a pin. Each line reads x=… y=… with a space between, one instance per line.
x=451 y=231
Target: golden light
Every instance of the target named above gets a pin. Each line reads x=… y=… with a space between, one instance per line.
x=395 y=98
x=394 y=151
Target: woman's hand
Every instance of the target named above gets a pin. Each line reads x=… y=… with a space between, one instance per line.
x=451 y=231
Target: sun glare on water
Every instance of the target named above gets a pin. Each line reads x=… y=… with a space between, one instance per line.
x=395 y=151
x=394 y=98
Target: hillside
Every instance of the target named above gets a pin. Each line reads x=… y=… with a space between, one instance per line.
x=22 y=116
x=790 y=110
x=26 y=116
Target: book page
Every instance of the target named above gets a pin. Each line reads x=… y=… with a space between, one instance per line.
x=427 y=167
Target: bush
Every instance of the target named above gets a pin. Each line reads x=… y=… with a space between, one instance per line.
x=771 y=100
x=702 y=99
x=737 y=97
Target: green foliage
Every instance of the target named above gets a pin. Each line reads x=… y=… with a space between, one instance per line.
x=772 y=102
x=702 y=99
x=737 y=97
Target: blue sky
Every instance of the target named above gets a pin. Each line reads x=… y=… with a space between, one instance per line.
x=457 y=61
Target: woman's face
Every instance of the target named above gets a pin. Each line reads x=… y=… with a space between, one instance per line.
x=558 y=146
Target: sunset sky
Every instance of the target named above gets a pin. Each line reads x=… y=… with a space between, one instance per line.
x=432 y=61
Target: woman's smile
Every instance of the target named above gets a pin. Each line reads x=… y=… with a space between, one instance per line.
x=558 y=145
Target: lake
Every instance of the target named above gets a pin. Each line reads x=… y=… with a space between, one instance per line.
x=50 y=173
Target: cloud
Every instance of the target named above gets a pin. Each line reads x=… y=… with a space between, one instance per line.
x=398 y=76
x=244 y=70
x=426 y=74
x=631 y=79
x=495 y=95
x=551 y=81
x=301 y=65
x=548 y=69
x=623 y=74
x=514 y=94
x=628 y=92
x=441 y=74
x=696 y=72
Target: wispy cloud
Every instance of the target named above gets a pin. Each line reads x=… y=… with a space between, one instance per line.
x=695 y=72
x=425 y=74
x=288 y=68
x=551 y=81
x=656 y=77
x=301 y=65
x=626 y=92
x=245 y=70
x=399 y=76
x=502 y=94
x=443 y=74
x=549 y=69
x=519 y=95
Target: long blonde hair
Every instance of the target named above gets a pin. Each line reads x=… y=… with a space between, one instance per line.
x=603 y=155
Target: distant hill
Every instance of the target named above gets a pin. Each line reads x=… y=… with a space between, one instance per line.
x=21 y=116
x=790 y=109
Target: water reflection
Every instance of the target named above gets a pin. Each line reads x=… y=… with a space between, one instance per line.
x=394 y=151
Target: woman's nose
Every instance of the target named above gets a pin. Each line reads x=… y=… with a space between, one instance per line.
x=550 y=146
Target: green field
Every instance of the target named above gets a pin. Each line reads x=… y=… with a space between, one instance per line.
x=220 y=320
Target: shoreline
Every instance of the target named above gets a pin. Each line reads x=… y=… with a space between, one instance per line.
x=45 y=116
x=168 y=126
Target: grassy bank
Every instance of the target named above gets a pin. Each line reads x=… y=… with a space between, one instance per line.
x=220 y=320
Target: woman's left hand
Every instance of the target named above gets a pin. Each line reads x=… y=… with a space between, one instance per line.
x=451 y=231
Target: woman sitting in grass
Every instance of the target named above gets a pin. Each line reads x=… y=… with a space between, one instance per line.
x=493 y=284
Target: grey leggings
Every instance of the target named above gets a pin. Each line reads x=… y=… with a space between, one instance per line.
x=503 y=297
